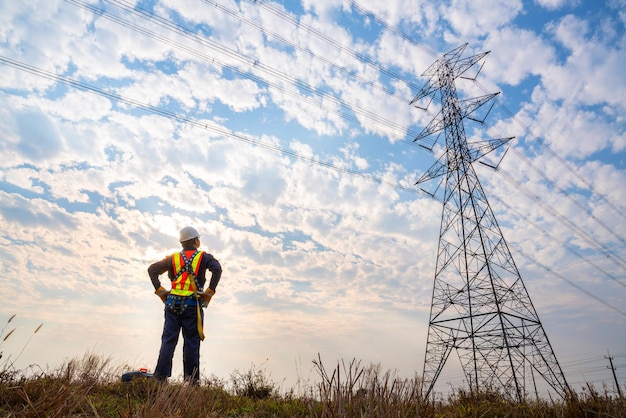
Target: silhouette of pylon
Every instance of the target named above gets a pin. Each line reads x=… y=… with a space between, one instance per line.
x=480 y=306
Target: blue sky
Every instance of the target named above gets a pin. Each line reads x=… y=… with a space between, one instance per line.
x=283 y=132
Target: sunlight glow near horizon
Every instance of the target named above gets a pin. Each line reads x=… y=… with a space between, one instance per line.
x=316 y=258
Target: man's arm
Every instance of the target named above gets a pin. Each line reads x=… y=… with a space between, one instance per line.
x=216 y=273
x=154 y=271
x=215 y=268
x=158 y=268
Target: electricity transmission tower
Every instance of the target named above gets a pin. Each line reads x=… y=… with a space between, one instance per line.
x=480 y=306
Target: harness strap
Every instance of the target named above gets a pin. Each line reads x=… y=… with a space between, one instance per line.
x=187 y=265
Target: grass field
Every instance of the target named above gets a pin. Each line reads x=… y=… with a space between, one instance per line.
x=91 y=387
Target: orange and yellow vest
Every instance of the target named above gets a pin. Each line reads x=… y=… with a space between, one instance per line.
x=186 y=265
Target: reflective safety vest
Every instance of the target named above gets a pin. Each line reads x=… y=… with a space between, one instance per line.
x=186 y=265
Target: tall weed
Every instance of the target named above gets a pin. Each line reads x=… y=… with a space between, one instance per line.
x=91 y=386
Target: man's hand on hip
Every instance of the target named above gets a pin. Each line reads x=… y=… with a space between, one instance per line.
x=162 y=293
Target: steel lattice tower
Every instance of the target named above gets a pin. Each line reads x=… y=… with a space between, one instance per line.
x=480 y=306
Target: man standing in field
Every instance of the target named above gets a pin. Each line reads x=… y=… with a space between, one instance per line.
x=184 y=302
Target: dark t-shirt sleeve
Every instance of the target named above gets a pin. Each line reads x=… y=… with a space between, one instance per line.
x=158 y=268
x=215 y=268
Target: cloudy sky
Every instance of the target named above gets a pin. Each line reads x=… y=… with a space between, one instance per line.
x=282 y=130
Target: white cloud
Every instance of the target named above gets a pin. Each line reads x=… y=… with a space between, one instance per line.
x=473 y=18
x=591 y=73
x=562 y=125
x=557 y=4
x=92 y=190
x=79 y=105
x=517 y=54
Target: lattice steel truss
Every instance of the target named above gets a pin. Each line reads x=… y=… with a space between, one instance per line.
x=480 y=306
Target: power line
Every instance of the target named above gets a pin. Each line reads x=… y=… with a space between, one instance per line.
x=568 y=248
x=393 y=29
x=558 y=158
x=571 y=283
x=369 y=82
x=590 y=214
x=251 y=63
x=211 y=126
x=563 y=220
x=372 y=120
x=398 y=32
x=331 y=41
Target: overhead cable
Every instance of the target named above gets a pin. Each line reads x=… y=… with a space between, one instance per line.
x=371 y=120
x=554 y=239
x=565 y=221
x=331 y=41
x=557 y=157
x=210 y=126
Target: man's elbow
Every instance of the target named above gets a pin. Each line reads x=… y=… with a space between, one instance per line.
x=154 y=271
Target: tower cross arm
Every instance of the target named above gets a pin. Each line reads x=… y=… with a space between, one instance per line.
x=435 y=125
x=428 y=89
x=460 y=66
x=480 y=149
x=450 y=56
x=469 y=106
x=438 y=169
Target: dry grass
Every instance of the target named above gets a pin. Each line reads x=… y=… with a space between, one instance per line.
x=91 y=387
x=85 y=389
x=354 y=390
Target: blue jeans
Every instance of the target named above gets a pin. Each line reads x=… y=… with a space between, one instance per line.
x=187 y=321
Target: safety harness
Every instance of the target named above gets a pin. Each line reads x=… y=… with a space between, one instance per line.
x=186 y=270
x=185 y=285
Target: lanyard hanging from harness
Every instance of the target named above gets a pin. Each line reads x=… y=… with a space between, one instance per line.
x=182 y=286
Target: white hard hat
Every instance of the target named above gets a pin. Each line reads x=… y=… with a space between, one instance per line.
x=188 y=233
